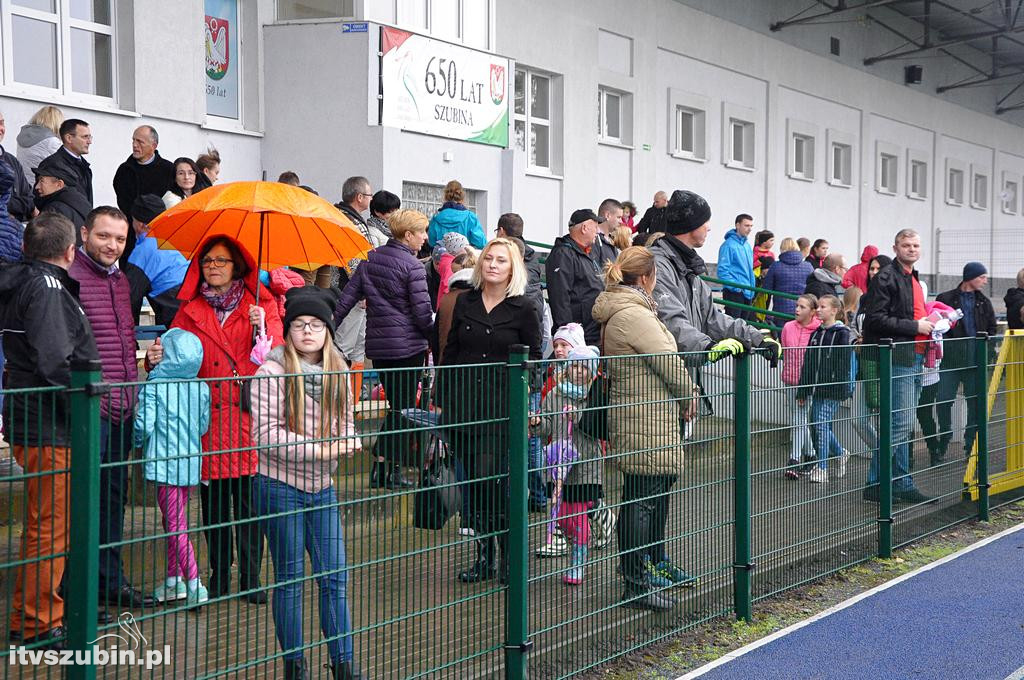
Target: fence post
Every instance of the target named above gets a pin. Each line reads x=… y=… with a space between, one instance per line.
x=981 y=394
x=742 y=567
x=84 y=488
x=885 y=448
x=517 y=624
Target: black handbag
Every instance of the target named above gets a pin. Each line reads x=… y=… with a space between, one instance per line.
x=439 y=496
x=244 y=386
x=594 y=421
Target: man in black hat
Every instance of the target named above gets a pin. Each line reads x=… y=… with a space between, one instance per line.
x=574 y=276
x=958 y=355
x=55 y=192
x=684 y=300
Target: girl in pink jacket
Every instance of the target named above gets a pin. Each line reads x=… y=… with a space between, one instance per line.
x=796 y=335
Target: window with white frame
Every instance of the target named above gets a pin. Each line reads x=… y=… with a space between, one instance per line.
x=954 y=185
x=64 y=46
x=840 y=158
x=532 y=117
x=315 y=9
x=887 y=166
x=609 y=115
x=801 y=149
x=979 y=189
x=739 y=137
x=1009 y=196
x=687 y=125
x=917 y=174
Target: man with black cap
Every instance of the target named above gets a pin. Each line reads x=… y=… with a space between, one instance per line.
x=163 y=270
x=684 y=300
x=574 y=276
x=958 y=355
x=55 y=192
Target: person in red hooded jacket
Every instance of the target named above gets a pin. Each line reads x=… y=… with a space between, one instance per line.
x=857 y=275
x=219 y=306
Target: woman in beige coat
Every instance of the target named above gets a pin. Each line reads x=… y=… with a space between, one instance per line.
x=649 y=396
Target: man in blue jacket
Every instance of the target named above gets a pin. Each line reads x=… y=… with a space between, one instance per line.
x=736 y=264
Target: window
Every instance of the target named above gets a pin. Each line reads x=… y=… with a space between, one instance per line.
x=739 y=137
x=1010 y=193
x=65 y=46
x=428 y=198
x=955 y=187
x=979 y=190
x=840 y=158
x=687 y=125
x=801 y=152
x=532 y=117
x=917 y=174
x=314 y=9
x=609 y=117
x=887 y=171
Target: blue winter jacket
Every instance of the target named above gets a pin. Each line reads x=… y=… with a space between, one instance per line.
x=736 y=262
x=11 y=230
x=788 y=275
x=174 y=412
x=165 y=269
x=462 y=220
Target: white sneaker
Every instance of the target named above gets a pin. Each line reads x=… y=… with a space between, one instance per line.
x=819 y=475
x=555 y=547
x=466 y=531
x=843 y=460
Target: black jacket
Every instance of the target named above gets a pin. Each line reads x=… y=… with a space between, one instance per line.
x=534 y=274
x=819 y=285
x=71 y=205
x=20 y=205
x=827 y=370
x=470 y=393
x=1015 y=308
x=889 y=310
x=79 y=168
x=44 y=331
x=957 y=354
x=574 y=282
x=653 y=221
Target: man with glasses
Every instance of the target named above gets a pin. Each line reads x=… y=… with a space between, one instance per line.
x=145 y=171
x=356 y=194
x=76 y=138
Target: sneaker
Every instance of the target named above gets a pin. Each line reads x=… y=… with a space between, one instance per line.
x=791 y=469
x=843 y=460
x=163 y=593
x=602 y=527
x=466 y=531
x=577 y=566
x=675 y=575
x=198 y=596
x=819 y=476
x=556 y=546
x=871 y=494
x=655 y=578
x=910 y=496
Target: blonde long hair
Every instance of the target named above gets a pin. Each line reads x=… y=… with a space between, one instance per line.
x=334 y=398
x=517 y=280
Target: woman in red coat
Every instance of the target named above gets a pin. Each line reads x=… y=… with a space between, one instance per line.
x=219 y=306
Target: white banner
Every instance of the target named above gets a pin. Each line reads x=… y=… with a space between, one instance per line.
x=443 y=89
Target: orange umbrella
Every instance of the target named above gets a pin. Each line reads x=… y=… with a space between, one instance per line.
x=284 y=226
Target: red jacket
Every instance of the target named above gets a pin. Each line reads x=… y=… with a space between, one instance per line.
x=857 y=275
x=230 y=428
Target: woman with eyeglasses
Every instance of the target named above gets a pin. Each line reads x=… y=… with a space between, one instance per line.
x=302 y=422
x=219 y=306
x=184 y=185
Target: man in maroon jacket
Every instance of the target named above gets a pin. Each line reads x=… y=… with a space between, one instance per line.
x=105 y=296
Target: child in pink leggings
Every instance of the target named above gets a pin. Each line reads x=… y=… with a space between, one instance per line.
x=174 y=412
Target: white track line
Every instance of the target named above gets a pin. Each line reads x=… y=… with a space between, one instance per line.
x=1019 y=675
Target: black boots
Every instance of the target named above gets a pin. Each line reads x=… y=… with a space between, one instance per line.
x=486 y=565
x=343 y=670
x=387 y=476
x=295 y=669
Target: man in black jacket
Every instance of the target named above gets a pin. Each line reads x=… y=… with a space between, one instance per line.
x=45 y=331
x=894 y=308
x=574 y=277
x=143 y=172
x=55 y=192
x=20 y=204
x=76 y=138
x=828 y=278
x=958 y=354
x=653 y=220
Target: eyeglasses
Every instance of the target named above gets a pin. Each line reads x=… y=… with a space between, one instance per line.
x=218 y=262
x=363 y=193
x=185 y=173
x=315 y=325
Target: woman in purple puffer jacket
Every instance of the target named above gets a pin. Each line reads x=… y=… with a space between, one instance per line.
x=399 y=319
x=788 y=275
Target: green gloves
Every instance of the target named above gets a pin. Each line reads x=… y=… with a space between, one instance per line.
x=725 y=348
x=772 y=349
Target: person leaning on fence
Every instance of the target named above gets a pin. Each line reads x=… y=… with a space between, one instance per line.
x=172 y=417
x=45 y=331
x=894 y=308
x=796 y=336
x=399 y=322
x=486 y=322
x=826 y=377
x=648 y=396
x=303 y=425
x=220 y=307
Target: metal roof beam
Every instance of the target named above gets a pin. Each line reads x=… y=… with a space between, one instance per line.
x=957 y=40
x=988 y=80
x=840 y=8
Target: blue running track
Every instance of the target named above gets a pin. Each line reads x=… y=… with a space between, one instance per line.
x=960 y=619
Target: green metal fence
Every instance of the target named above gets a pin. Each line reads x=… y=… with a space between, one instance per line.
x=735 y=521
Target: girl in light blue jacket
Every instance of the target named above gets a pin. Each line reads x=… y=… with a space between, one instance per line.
x=174 y=412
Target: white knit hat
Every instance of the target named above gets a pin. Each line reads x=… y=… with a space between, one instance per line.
x=571 y=333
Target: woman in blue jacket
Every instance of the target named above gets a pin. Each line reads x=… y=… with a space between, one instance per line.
x=454 y=216
x=788 y=275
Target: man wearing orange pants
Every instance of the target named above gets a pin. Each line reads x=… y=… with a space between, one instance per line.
x=45 y=330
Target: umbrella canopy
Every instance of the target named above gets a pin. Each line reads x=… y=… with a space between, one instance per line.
x=282 y=225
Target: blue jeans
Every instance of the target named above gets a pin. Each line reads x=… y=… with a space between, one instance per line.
x=823 y=412
x=312 y=525
x=535 y=477
x=906 y=392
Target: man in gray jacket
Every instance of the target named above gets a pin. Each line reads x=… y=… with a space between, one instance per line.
x=684 y=300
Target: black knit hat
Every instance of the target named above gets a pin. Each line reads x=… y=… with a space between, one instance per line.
x=146 y=207
x=310 y=301
x=685 y=212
